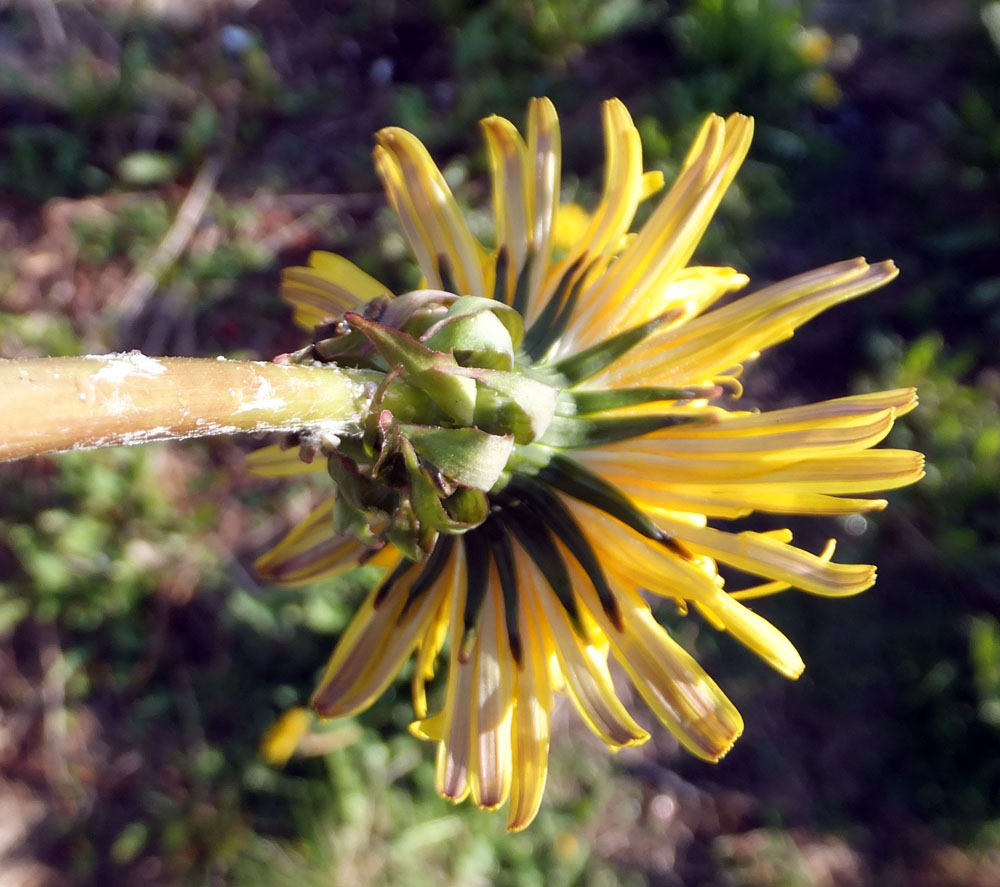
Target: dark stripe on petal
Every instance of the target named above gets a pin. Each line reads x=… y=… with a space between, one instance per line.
x=548 y=507
x=501 y=274
x=447 y=277
x=477 y=571
x=397 y=573
x=429 y=574
x=523 y=284
x=503 y=556
x=584 y=364
x=568 y=433
x=536 y=539
x=566 y=312
x=571 y=477
x=583 y=403
x=542 y=333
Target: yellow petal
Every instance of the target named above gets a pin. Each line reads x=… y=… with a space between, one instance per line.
x=673 y=685
x=375 y=645
x=688 y=292
x=490 y=767
x=714 y=342
x=455 y=728
x=277 y=461
x=412 y=216
x=769 y=588
x=330 y=286
x=635 y=562
x=429 y=728
x=757 y=633
x=310 y=551
x=531 y=722
x=622 y=180
x=740 y=500
x=509 y=167
x=668 y=238
x=545 y=159
x=652 y=182
x=572 y=224
x=862 y=472
x=430 y=646
x=638 y=562
x=900 y=400
x=583 y=668
x=620 y=196
x=447 y=234
x=757 y=554
x=281 y=741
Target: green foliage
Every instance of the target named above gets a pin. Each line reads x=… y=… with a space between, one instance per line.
x=958 y=428
x=376 y=819
x=45 y=161
x=984 y=655
x=86 y=131
x=79 y=537
x=938 y=623
x=132 y=232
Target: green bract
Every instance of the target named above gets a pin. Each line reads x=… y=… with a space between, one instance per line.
x=453 y=361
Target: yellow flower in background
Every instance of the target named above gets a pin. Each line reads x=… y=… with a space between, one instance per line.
x=283 y=738
x=571 y=224
x=544 y=453
x=823 y=89
x=813 y=45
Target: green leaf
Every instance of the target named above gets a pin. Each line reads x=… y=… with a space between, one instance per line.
x=467 y=506
x=146 y=168
x=426 y=499
x=475 y=339
x=495 y=325
x=405 y=531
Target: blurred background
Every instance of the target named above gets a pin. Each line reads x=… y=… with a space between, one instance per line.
x=161 y=161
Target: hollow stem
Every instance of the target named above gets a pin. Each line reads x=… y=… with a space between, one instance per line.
x=53 y=404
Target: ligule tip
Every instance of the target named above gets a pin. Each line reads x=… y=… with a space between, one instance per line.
x=467 y=644
x=673 y=544
x=613 y=611
x=516 y=649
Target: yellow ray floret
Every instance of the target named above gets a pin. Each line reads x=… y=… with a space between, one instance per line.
x=444 y=234
x=311 y=551
x=278 y=461
x=328 y=287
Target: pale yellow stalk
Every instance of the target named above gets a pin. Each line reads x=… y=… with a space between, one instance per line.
x=54 y=404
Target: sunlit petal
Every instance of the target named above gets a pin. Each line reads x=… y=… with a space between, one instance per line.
x=330 y=286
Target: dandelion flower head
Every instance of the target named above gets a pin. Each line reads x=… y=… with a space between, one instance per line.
x=548 y=449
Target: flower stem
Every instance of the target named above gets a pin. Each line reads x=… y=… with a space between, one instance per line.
x=53 y=404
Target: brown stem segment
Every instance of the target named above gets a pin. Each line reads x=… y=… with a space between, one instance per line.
x=53 y=404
